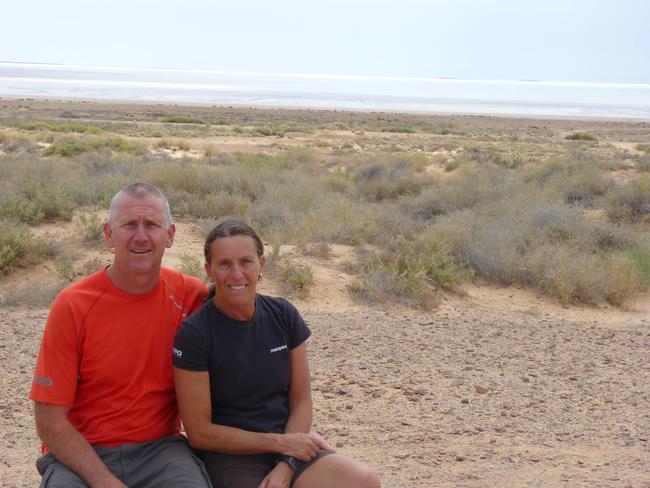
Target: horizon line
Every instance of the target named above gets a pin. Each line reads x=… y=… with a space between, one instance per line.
x=417 y=79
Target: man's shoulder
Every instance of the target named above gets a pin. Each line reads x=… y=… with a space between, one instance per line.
x=181 y=283
x=92 y=285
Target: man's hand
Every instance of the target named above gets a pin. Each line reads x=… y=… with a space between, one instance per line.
x=278 y=477
x=69 y=446
x=320 y=440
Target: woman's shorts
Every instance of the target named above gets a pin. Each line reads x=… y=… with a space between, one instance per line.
x=245 y=470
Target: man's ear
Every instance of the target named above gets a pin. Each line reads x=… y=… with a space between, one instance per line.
x=108 y=235
x=262 y=263
x=171 y=232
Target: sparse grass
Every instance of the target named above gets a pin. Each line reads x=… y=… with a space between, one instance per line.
x=74 y=147
x=174 y=144
x=321 y=250
x=296 y=279
x=643 y=148
x=91 y=228
x=18 y=247
x=407 y=271
x=182 y=119
x=32 y=296
x=580 y=136
x=510 y=208
x=526 y=240
x=65 y=268
x=641 y=260
x=61 y=127
x=280 y=130
x=191 y=265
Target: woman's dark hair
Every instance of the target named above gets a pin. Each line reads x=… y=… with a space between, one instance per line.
x=228 y=227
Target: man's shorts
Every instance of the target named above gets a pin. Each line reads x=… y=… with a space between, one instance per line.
x=246 y=470
x=167 y=462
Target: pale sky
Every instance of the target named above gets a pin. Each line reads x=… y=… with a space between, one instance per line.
x=553 y=40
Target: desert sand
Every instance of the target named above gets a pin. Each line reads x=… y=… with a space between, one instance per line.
x=490 y=387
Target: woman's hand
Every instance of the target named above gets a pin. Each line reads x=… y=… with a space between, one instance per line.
x=299 y=445
x=278 y=477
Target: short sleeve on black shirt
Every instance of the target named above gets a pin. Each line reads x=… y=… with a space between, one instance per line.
x=191 y=348
x=297 y=328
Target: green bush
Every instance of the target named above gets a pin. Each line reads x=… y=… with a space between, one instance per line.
x=641 y=260
x=61 y=127
x=643 y=147
x=74 y=147
x=296 y=279
x=182 y=119
x=407 y=270
x=18 y=246
x=92 y=229
x=580 y=136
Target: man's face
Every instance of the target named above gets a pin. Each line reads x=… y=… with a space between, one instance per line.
x=139 y=234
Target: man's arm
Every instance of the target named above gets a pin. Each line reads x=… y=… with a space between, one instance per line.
x=70 y=447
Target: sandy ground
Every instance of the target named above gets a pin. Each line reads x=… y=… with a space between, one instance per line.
x=496 y=387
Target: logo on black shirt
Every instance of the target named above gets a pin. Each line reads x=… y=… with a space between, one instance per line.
x=278 y=349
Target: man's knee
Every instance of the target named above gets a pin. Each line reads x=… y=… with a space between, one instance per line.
x=57 y=475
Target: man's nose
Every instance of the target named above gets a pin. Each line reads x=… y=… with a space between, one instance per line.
x=140 y=233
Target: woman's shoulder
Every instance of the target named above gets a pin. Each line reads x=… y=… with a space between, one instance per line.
x=275 y=304
x=198 y=320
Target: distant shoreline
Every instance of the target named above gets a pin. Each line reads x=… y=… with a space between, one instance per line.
x=389 y=94
x=118 y=102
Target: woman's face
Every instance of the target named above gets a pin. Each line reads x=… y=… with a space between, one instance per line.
x=235 y=267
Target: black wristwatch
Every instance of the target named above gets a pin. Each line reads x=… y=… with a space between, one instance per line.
x=291 y=461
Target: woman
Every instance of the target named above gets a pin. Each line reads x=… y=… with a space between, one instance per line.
x=243 y=383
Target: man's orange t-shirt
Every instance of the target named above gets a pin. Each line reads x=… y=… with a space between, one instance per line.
x=106 y=354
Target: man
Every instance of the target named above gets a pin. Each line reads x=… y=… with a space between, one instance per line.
x=104 y=398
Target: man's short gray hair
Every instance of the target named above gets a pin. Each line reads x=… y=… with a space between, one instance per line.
x=140 y=190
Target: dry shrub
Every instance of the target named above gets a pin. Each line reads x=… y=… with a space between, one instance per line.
x=527 y=240
x=466 y=188
x=191 y=265
x=296 y=279
x=32 y=296
x=210 y=150
x=407 y=271
x=629 y=202
x=18 y=246
x=573 y=277
x=320 y=250
x=389 y=179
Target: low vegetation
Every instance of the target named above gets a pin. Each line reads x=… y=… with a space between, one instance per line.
x=18 y=246
x=580 y=136
x=429 y=204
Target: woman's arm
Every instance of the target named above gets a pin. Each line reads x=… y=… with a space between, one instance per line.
x=300 y=404
x=194 y=402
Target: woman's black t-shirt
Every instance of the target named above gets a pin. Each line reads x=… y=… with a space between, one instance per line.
x=248 y=361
